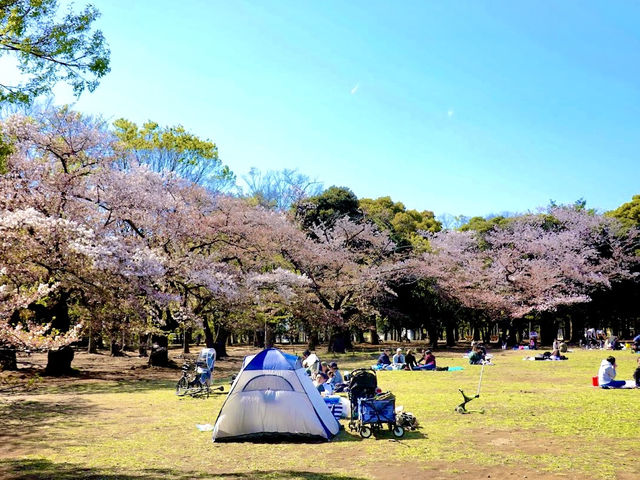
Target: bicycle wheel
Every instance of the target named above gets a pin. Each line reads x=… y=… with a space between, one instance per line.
x=182 y=386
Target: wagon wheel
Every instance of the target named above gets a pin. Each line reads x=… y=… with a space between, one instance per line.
x=365 y=432
x=398 y=431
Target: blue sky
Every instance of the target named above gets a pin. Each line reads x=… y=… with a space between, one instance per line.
x=459 y=107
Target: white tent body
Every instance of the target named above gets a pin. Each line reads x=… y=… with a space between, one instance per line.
x=272 y=398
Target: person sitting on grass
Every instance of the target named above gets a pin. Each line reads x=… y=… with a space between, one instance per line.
x=310 y=362
x=335 y=378
x=607 y=374
x=428 y=361
x=384 y=360
x=398 y=358
x=476 y=356
x=321 y=384
x=410 y=361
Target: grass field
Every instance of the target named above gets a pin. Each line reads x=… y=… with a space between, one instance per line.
x=542 y=420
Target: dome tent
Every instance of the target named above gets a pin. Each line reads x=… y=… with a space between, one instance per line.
x=272 y=398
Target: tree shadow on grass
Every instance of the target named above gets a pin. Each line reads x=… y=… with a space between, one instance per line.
x=44 y=469
x=95 y=385
x=25 y=423
x=347 y=435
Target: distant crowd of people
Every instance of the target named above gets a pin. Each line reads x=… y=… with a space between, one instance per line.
x=422 y=360
x=328 y=379
x=598 y=339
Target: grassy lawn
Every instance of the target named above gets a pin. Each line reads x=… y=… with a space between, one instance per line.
x=542 y=420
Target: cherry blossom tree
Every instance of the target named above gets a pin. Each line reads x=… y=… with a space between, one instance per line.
x=534 y=263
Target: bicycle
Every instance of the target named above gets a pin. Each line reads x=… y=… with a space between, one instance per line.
x=197 y=383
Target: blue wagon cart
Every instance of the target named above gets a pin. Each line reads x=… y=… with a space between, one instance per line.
x=374 y=414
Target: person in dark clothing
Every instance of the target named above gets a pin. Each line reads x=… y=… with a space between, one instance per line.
x=427 y=362
x=636 y=375
x=410 y=360
x=384 y=359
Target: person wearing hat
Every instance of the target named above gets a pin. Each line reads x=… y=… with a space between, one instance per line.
x=335 y=377
x=398 y=358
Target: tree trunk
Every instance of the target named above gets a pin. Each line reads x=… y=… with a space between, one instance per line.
x=269 y=336
x=59 y=362
x=8 y=360
x=221 y=342
x=142 y=345
x=312 y=340
x=187 y=340
x=339 y=341
x=208 y=334
x=433 y=329
x=159 y=356
x=91 y=345
x=115 y=349
x=60 y=313
x=373 y=332
x=548 y=330
x=450 y=327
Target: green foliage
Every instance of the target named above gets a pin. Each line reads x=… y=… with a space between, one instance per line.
x=326 y=208
x=404 y=225
x=628 y=213
x=483 y=225
x=5 y=151
x=50 y=48
x=176 y=150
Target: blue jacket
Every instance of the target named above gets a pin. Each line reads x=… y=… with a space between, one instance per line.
x=383 y=359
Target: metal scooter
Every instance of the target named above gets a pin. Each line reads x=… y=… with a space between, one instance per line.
x=462 y=408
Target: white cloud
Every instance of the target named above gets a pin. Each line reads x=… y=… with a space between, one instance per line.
x=355 y=88
x=450 y=113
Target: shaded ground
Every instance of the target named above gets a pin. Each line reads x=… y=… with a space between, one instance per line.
x=119 y=419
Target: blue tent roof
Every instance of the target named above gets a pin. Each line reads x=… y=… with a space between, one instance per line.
x=273 y=359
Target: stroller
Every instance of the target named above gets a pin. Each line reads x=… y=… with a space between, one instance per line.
x=198 y=383
x=368 y=412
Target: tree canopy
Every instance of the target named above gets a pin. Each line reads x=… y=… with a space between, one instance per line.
x=174 y=149
x=628 y=213
x=105 y=234
x=50 y=47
